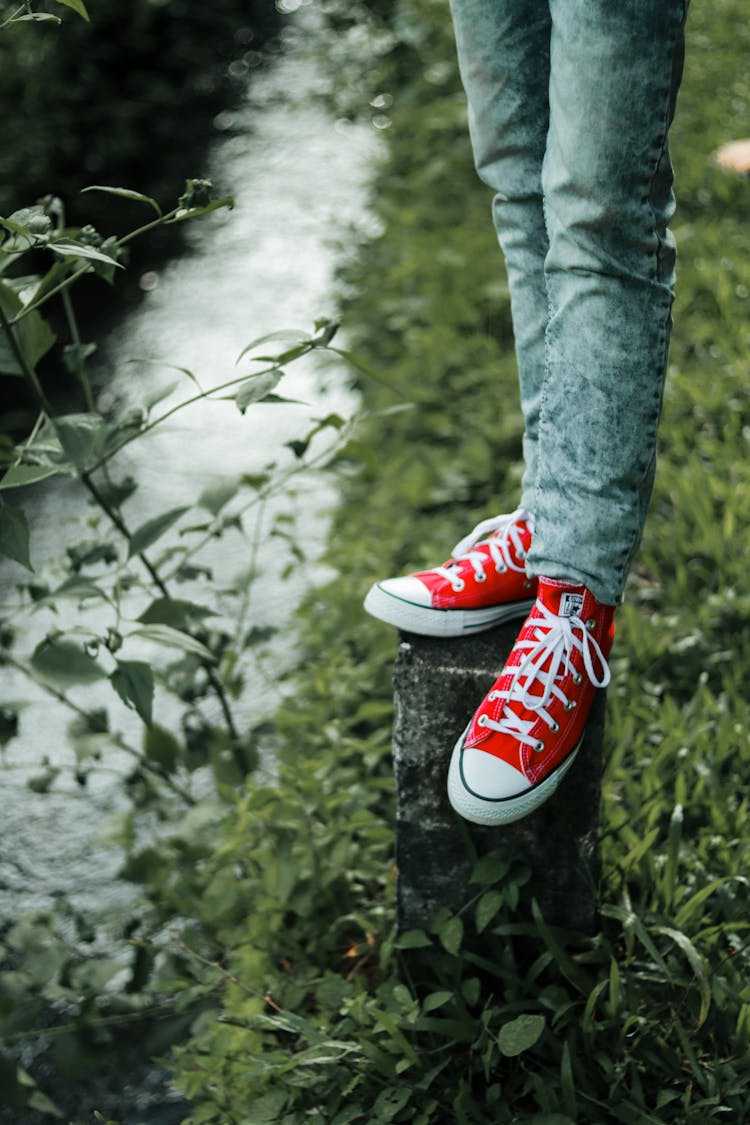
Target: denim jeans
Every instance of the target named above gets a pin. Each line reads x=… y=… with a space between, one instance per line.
x=570 y=103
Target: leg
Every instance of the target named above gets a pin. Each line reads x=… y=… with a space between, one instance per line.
x=503 y=54
x=607 y=182
x=607 y=186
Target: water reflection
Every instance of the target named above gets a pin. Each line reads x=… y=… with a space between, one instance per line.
x=299 y=185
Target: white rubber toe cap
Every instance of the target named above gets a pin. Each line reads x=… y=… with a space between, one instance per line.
x=489 y=777
x=407 y=589
x=486 y=790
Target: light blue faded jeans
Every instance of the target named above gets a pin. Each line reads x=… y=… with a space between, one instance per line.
x=570 y=103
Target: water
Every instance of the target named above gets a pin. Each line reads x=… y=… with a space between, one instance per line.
x=299 y=180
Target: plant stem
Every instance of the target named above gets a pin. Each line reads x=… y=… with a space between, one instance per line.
x=80 y=368
x=318 y=461
x=116 y=518
x=13 y=17
x=177 y=407
x=28 y=371
x=68 y=281
x=122 y=527
x=59 y=288
x=7 y=657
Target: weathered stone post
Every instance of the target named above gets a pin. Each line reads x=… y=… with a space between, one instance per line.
x=438 y=684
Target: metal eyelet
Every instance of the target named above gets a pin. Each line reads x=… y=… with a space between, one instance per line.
x=555 y=728
x=538 y=746
x=482 y=721
x=493 y=695
x=482 y=577
x=521 y=554
x=458 y=586
x=569 y=705
x=591 y=624
x=527 y=585
x=501 y=568
x=577 y=678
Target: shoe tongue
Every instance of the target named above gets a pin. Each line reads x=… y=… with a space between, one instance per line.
x=562 y=598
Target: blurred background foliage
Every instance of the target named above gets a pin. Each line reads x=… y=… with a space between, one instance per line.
x=127 y=98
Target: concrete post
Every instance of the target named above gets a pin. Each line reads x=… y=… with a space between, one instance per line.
x=438 y=684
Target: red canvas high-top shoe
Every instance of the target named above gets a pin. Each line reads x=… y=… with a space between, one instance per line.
x=483 y=583
x=527 y=731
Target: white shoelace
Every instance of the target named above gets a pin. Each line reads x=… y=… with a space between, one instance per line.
x=554 y=641
x=498 y=546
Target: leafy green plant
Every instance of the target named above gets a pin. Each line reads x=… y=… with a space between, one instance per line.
x=130 y=574
x=127 y=580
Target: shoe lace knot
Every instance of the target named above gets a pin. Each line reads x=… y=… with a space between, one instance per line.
x=501 y=542
x=547 y=660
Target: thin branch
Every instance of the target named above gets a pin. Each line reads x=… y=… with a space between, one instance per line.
x=239 y=379
x=28 y=371
x=117 y=739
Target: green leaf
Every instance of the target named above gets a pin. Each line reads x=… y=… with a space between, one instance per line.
x=14 y=535
x=256 y=388
x=195 y=212
x=436 y=1000
x=133 y=680
x=451 y=934
x=298 y=448
x=283 y=400
x=567 y=1082
x=124 y=193
x=77 y=6
x=669 y=876
x=412 y=939
x=42 y=782
x=89 y=736
x=695 y=901
x=80 y=435
x=283 y=335
x=267 y=1109
x=64 y=664
x=489 y=869
x=54 y=275
x=520 y=1034
x=18 y=476
x=697 y=964
x=159 y=395
x=34 y=1098
x=153 y=529
x=161 y=746
x=487 y=908
x=75 y=356
x=173 y=638
x=216 y=495
x=32 y=221
x=37 y=17
x=397 y=1036
x=70 y=248
x=8 y=722
x=175 y=612
x=32 y=333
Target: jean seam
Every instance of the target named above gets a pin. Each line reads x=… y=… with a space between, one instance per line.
x=663 y=343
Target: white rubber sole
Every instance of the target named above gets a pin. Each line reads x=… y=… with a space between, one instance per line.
x=430 y=622
x=480 y=810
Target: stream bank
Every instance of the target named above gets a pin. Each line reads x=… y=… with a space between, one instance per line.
x=299 y=177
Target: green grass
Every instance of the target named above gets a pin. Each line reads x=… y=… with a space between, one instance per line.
x=494 y=1017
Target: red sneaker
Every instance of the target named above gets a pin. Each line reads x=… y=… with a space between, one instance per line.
x=528 y=729
x=483 y=583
